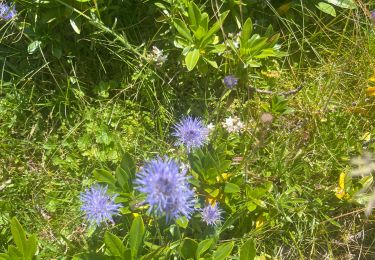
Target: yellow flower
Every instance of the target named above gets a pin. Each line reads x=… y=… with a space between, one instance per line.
x=370 y=91
x=340 y=191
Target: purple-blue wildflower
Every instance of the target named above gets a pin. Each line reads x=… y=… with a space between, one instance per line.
x=191 y=132
x=97 y=205
x=7 y=12
x=211 y=214
x=373 y=15
x=230 y=81
x=167 y=188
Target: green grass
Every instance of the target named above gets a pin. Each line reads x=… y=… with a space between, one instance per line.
x=62 y=118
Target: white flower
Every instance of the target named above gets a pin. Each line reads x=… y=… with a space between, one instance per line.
x=157 y=56
x=233 y=125
x=210 y=127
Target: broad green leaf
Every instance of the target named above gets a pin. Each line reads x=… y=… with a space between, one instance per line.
x=204 y=21
x=104 y=176
x=91 y=256
x=223 y=251
x=231 y=188
x=191 y=59
x=326 y=8
x=203 y=246
x=247 y=251
x=272 y=40
x=182 y=221
x=128 y=164
x=215 y=27
x=19 y=236
x=4 y=256
x=32 y=247
x=14 y=253
x=194 y=15
x=137 y=231
x=247 y=29
x=347 y=4
x=125 y=172
x=188 y=248
x=182 y=29
x=257 y=45
x=114 y=244
x=199 y=33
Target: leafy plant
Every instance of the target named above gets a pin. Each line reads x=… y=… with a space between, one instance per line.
x=197 y=39
x=26 y=248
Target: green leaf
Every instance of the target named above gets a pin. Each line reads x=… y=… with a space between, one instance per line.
x=114 y=244
x=248 y=251
x=346 y=4
x=188 y=248
x=125 y=172
x=33 y=46
x=204 y=21
x=216 y=26
x=137 y=231
x=247 y=29
x=326 y=8
x=223 y=251
x=182 y=222
x=211 y=62
x=104 y=176
x=56 y=51
x=14 y=253
x=19 y=236
x=128 y=164
x=194 y=15
x=182 y=29
x=91 y=256
x=231 y=188
x=32 y=247
x=203 y=246
x=74 y=26
x=199 y=33
x=191 y=59
x=4 y=256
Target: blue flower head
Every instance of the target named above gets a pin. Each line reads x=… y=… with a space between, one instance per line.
x=98 y=206
x=211 y=214
x=373 y=15
x=230 y=81
x=6 y=12
x=191 y=132
x=167 y=188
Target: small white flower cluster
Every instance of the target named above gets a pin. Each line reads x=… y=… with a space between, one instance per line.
x=157 y=56
x=233 y=125
x=235 y=39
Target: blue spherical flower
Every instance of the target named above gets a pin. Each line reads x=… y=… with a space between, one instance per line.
x=191 y=132
x=230 y=81
x=211 y=215
x=98 y=206
x=6 y=12
x=373 y=15
x=167 y=188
